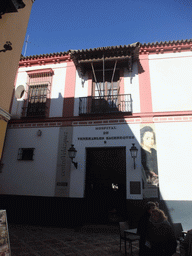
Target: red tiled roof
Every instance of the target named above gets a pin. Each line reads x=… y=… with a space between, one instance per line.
x=167 y=42
x=106 y=49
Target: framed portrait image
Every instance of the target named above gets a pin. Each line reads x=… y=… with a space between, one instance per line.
x=149 y=164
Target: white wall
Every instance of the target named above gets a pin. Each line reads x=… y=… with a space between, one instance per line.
x=77 y=182
x=131 y=86
x=81 y=90
x=174 y=149
x=35 y=177
x=171 y=76
x=57 y=91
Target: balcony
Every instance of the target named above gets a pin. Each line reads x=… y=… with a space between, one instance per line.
x=35 y=110
x=121 y=103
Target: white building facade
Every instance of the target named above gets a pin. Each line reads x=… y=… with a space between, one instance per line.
x=103 y=101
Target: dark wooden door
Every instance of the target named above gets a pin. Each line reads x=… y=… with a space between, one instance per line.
x=105 y=189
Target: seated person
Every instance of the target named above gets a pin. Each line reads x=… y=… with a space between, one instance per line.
x=143 y=227
x=160 y=236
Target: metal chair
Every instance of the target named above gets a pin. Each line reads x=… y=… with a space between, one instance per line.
x=179 y=233
x=128 y=237
x=186 y=245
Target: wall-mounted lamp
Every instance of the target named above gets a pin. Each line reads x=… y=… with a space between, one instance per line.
x=39 y=133
x=133 y=151
x=72 y=153
x=82 y=82
x=7 y=46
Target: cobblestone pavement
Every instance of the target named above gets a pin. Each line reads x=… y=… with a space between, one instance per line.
x=88 y=240
x=45 y=241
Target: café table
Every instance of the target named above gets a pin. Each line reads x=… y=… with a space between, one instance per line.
x=130 y=235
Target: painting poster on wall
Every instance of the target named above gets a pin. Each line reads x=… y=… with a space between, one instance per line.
x=4 y=235
x=149 y=163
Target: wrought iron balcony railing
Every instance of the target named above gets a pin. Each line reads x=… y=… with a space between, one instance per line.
x=35 y=110
x=106 y=104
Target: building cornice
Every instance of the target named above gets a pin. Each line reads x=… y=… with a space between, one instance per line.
x=166 y=47
x=4 y=115
x=44 y=59
x=89 y=54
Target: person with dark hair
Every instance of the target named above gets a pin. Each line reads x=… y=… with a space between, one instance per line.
x=160 y=237
x=149 y=155
x=143 y=226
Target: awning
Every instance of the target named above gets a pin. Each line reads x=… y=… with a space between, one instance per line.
x=123 y=55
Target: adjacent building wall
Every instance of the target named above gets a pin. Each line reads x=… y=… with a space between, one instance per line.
x=13 y=29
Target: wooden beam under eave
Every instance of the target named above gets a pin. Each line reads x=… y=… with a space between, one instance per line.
x=106 y=59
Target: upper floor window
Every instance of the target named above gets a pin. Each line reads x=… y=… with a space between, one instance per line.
x=106 y=97
x=39 y=85
x=105 y=91
x=106 y=84
x=37 y=98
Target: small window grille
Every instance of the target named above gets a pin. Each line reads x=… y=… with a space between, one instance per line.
x=37 y=99
x=38 y=93
x=25 y=154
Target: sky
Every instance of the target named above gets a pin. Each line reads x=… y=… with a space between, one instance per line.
x=62 y=25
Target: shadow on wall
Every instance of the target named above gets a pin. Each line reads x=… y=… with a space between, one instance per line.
x=107 y=178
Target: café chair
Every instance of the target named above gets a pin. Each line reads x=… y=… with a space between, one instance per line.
x=190 y=244
x=129 y=237
x=186 y=245
x=179 y=233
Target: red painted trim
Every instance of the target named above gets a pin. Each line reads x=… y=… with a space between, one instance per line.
x=147 y=119
x=120 y=116
x=89 y=84
x=144 y=85
x=172 y=113
x=121 y=74
x=40 y=71
x=69 y=93
x=99 y=121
